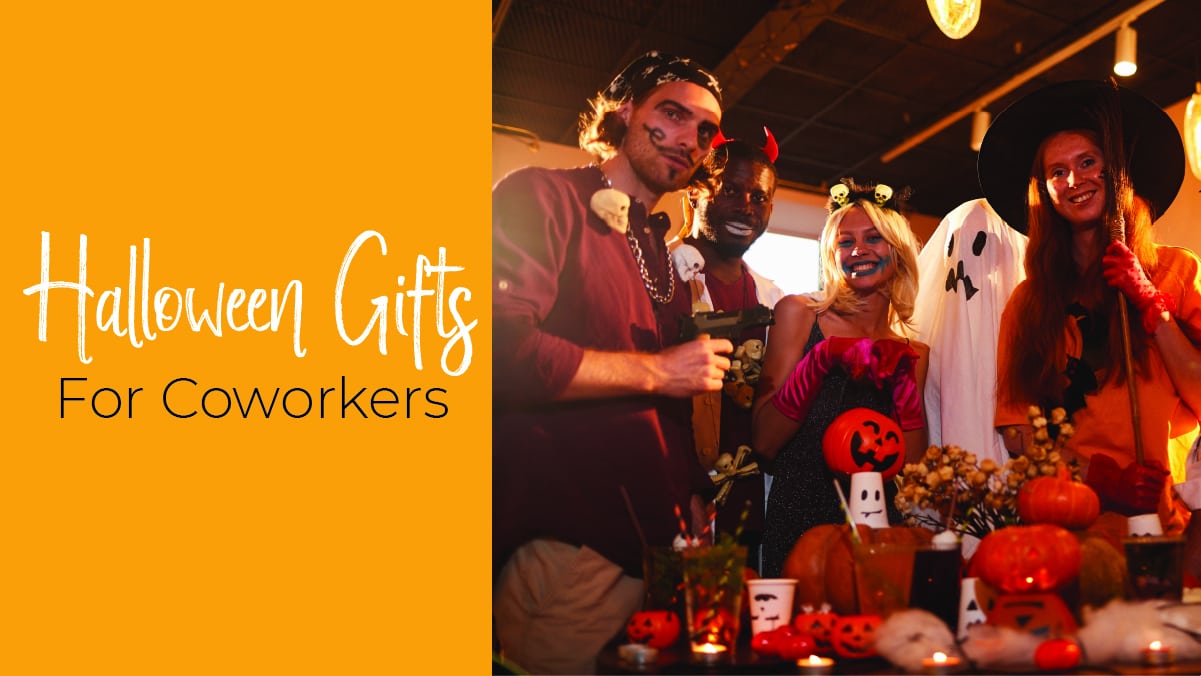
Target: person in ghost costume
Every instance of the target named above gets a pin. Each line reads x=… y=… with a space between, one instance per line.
x=844 y=347
x=1085 y=168
x=968 y=268
x=728 y=206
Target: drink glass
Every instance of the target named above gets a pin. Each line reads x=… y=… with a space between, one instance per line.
x=936 y=587
x=713 y=578
x=883 y=575
x=1155 y=565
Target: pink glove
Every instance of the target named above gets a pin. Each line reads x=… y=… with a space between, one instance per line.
x=1123 y=272
x=1130 y=491
x=795 y=396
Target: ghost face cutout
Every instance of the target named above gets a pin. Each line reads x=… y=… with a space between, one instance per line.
x=975 y=600
x=867 y=499
x=770 y=603
x=613 y=207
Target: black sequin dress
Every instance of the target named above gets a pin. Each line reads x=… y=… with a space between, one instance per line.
x=802 y=494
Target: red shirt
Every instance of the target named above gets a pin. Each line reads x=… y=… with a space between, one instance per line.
x=563 y=282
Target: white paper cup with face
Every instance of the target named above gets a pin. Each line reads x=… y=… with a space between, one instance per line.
x=770 y=601
x=867 y=499
x=1142 y=525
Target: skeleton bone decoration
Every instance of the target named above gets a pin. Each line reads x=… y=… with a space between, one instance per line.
x=727 y=467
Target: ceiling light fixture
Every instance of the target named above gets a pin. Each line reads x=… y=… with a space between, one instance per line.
x=1125 y=50
x=980 y=121
x=1192 y=132
x=955 y=18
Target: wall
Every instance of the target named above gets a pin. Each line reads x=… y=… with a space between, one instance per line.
x=1181 y=225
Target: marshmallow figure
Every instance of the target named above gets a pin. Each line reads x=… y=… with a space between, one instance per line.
x=968 y=268
x=867 y=499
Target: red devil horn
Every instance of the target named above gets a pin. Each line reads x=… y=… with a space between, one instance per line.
x=771 y=148
x=719 y=140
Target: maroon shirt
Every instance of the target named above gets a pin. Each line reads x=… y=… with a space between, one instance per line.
x=736 y=420
x=564 y=281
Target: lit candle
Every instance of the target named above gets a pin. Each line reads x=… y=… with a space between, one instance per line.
x=815 y=664
x=941 y=663
x=1156 y=654
x=708 y=652
x=637 y=654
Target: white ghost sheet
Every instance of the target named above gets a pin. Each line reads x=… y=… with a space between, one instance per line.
x=967 y=270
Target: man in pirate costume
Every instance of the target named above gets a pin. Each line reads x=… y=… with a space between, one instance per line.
x=592 y=441
x=727 y=210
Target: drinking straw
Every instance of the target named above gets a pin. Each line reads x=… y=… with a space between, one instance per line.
x=846 y=510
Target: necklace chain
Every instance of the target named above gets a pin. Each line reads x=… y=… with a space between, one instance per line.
x=660 y=297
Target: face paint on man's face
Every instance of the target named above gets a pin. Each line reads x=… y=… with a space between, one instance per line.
x=656 y=135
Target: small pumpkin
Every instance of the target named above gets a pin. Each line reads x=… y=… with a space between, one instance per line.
x=1103 y=571
x=1058 y=500
x=855 y=635
x=863 y=440
x=655 y=628
x=1057 y=654
x=1023 y=559
x=1043 y=614
x=817 y=623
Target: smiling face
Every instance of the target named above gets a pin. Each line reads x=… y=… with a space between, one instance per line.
x=1073 y=175
x=864 y=255
x=736 y=213
x=668 y=134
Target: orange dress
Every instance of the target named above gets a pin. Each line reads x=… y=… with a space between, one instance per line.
x=1104 y=425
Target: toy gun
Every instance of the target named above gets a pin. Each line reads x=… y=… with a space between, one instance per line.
x=729 y=325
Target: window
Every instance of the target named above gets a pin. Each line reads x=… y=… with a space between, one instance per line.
x=790 y=261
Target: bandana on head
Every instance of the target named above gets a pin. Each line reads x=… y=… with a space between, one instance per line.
x=655 y=68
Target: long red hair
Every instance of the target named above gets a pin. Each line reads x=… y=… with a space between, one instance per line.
x=1053 y=282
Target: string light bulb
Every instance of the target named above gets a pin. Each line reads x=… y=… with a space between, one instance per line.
x=955 y=18
x=1192 y=132
x=1125 y=51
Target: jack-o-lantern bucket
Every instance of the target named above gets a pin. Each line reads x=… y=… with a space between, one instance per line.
x=863 y=440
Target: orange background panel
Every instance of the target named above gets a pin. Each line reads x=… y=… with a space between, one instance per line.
x=250 y=143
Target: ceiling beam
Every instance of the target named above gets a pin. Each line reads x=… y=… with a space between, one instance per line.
x=771 y=40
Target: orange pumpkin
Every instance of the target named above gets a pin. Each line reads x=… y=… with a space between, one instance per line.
x=823 y=564
x=855 y=635
x=1058 y=500
x=1022 y=559
x=863 y=440
x=1102 y=571
x=1043 y=614
x=655 y=628
x=819 y=624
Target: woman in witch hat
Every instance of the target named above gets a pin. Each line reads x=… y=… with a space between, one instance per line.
x=1084 y=168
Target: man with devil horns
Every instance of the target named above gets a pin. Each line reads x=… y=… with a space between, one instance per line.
x=727 y=209
x=591 y=429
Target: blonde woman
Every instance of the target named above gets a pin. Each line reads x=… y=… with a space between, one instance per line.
x=859 y=324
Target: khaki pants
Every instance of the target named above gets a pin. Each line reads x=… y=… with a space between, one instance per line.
x=557 y=605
